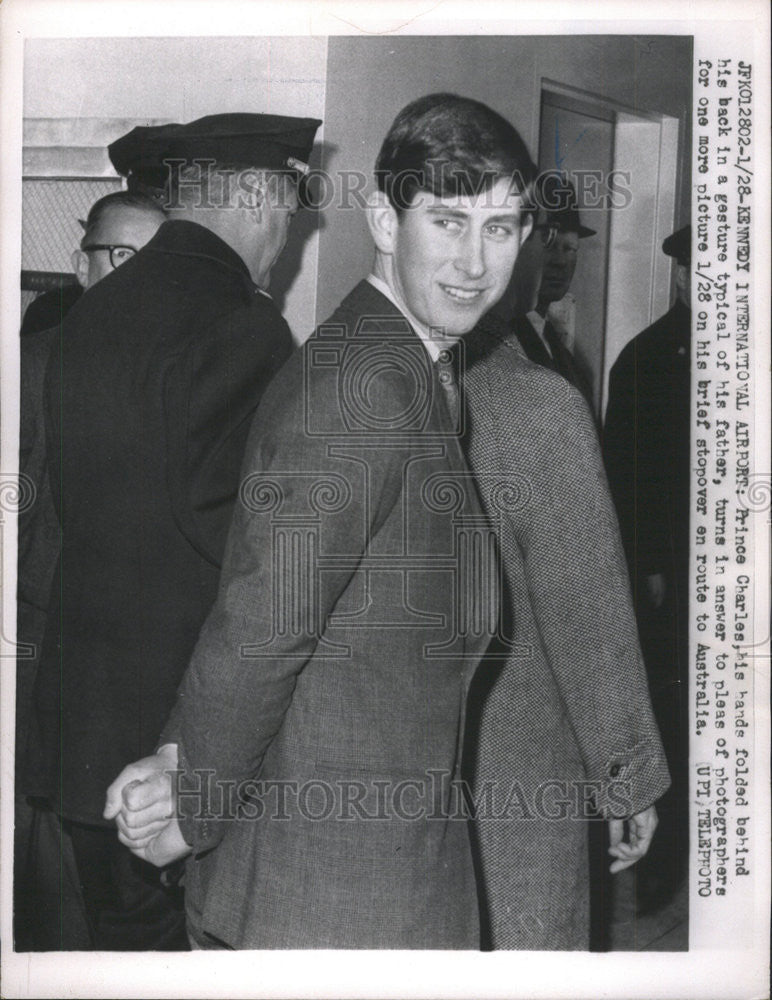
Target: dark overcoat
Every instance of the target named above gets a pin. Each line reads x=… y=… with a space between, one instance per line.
x=149 y=396
x=39 y=532
x=333 y=670
x=567 y=721
x=646 y=448
x=646 y=442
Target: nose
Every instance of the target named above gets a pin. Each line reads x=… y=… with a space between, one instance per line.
x=557 y=259
x=470 y=256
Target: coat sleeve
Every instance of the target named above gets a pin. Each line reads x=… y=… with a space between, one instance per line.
x=231 y=702
x=211 y=391
x=578 y=582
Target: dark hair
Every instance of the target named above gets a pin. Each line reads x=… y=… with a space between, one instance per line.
x=450 y=145
x=117 y=199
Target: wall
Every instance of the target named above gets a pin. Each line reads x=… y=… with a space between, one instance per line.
x=357 y=84
x=370 y=79
x=180 y=79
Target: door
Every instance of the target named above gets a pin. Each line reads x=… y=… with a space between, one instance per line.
x=623 y=166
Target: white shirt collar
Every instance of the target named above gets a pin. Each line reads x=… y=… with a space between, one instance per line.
x=432 y=345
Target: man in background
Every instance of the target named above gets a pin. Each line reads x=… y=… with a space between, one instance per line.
x=542 y=278
x=646 y=444
x=117 y=226
x=149 y=396
x=124 y=220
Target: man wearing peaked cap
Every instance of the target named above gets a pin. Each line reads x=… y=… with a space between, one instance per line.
x=149 y=397
x=646 y=445
x=148 y=155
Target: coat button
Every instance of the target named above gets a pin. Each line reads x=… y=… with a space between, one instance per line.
x=614 y=770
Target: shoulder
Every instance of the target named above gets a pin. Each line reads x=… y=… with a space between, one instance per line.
x=259 y=316
x=367 y=356
x=513 y=384
x=48 y=309
x=651 y=346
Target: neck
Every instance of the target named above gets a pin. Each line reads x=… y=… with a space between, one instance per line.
x=383 y=268
x=224 y=224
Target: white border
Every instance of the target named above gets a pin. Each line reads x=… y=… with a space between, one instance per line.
x=378 y=974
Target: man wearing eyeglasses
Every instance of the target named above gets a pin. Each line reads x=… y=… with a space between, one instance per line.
x=117 y=226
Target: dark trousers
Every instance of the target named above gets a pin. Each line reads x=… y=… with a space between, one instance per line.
x=82 y=889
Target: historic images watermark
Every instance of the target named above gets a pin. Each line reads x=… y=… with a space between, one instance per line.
x=435 y=796
x=203 y=183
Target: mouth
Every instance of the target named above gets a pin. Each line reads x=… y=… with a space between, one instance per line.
x=465 y=296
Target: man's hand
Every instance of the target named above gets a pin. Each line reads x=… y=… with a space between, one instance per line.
x=141 y=799
x=641 y=827
x=161 y=850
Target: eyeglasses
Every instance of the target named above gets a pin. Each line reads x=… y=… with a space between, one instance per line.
x=118 y=254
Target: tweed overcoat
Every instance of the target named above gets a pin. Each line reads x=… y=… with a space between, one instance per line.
x=149 y=395
x=567 y=718
x=335 y=665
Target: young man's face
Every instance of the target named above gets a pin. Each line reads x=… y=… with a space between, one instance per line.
x=453 y=257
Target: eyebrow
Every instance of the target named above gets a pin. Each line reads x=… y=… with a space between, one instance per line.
x=458 y=213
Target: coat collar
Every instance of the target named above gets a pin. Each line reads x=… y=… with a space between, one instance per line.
x=531 y=342
x=366 y=299
x=178 y=237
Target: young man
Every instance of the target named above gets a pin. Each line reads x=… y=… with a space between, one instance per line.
x=358 y=594
x=149 y=397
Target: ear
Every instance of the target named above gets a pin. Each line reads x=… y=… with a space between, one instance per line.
x=682 y=276
x=382 y=221
x=249 y=190
x=79 y=261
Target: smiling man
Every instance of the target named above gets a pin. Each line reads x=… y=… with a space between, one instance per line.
x=318 y=730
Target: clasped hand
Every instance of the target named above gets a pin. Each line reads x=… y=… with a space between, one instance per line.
x=141 y=800
x=641 y=829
